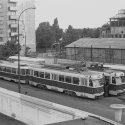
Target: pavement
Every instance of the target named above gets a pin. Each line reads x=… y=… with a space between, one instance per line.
x=6 y=120
x=122 y=98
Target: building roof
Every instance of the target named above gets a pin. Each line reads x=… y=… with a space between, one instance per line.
x=118 y=43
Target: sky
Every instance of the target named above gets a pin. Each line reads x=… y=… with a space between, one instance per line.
x=77 y=13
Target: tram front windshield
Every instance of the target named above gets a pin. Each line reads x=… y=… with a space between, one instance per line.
x=120 y=80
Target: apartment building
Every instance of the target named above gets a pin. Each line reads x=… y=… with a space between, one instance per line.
x=27 y=24
x=8 y=17
x=9 y=13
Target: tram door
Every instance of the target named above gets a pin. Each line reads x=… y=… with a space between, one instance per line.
x=106 y=85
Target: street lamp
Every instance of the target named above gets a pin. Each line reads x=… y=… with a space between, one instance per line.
x=19 y=87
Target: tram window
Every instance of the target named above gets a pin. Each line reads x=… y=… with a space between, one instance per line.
x=4 y=69
x=31 y=71
x=90 y=83
x=8 y=70
x=13 y=70
x=0 y=68
x=75 y=80
x=68 y=79
x=36 y=73
x=61 y=78
x=113 y=80
x=47 y=75
x=27 y=71
x=23 y=71
x=123 y=79
x=82 y=81
x=42 y=74
x=85 y=82
x=54 y=76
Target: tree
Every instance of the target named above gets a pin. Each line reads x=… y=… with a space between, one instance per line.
x=44 y=36
x=57 y=31
x=10 y=48
x=71 y=35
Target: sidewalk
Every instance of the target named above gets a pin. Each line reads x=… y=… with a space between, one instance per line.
x=5 y=120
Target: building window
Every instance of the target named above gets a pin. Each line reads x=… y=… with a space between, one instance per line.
x=1 y=39
x=0 y=6
x=1 y=22
x=116 y=36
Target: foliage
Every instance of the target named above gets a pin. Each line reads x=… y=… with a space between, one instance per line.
x=10 y=48
x=57 y=31
x=71 y=35
x=47 y=36
x=44 y=36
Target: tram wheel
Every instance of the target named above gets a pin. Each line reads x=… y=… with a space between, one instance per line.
x=41 y=86
x=73 y=94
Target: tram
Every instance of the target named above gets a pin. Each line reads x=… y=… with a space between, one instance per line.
x=87 y=84
x=114 y=79
x=115 y=67
x=27 y=60
x=9 y=71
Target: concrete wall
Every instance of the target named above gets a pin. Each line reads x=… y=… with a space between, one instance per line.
x=31 y=110
x=34 y=111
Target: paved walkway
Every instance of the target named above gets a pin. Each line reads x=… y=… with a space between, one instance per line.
x=5 y=120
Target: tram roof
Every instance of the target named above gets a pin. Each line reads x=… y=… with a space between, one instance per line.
x=13 y=65
x=118 y=67
x=68 y=72
x=27 y=58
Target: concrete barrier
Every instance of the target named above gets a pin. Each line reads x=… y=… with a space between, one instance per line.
x=34 y=111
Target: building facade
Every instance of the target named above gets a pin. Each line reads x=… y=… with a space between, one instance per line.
x=8 y=17
x=9 y=13
x=107 y=50
x=116 y=26
x=27 y=24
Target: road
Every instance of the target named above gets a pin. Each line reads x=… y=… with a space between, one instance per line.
x=99 y=107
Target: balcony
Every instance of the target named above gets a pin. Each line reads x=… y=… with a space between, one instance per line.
x=13 y=34
x=13 y=17
x=14 y=25
x=12 y=8
x=12 y=1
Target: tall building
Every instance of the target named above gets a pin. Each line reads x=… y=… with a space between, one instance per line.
x=9 y=13
x=8 y=17
x=116 y=26
x=27 y=24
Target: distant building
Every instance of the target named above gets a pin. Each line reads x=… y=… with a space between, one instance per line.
x=27 y=24
x=9 y=12
x=8 y=17
x=108 y=50
x=116 y=26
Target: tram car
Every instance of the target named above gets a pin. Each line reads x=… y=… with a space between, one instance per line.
x=27 y=60
x=9 y=71
x=86 y=84
x=114 y=79
x=115 y=67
